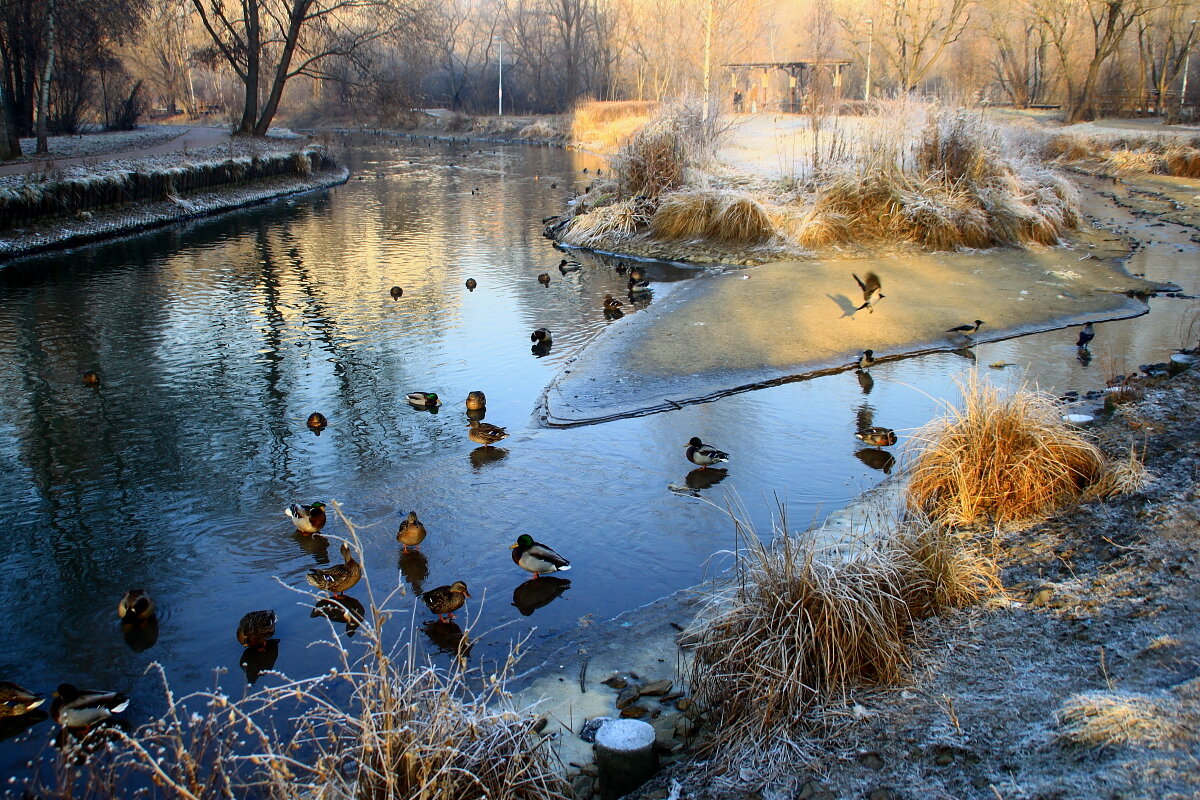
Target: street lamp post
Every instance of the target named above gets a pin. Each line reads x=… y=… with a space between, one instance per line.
x=870 y=47
x=500 y=83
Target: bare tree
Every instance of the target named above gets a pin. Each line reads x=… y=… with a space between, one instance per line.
x=281 y=39
x=1164 y=40
x=913 y=34
x=1109 y=20
x=162 y=53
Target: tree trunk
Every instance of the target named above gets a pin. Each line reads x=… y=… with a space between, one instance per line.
x=43 y=143
x=10 y=144
x=295 y=20
x=708 y=26
x=253 y=56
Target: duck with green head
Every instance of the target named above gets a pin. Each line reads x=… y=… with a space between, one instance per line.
x=423 y=399
x=877 y=436
x=307 y=519
x=83 y=708
x=536 y=557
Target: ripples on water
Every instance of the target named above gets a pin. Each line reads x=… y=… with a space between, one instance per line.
x=215 y=340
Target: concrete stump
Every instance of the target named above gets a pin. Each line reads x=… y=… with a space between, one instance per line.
x=625 y=756
x=1180 y=362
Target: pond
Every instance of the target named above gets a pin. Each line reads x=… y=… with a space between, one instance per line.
x=215 y=340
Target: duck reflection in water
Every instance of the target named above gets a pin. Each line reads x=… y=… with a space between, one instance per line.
x=865 y=381
x=699 y=479
x=531 y=595
x=613 y=313
x=877 y=459
x=344 y=609
x=314 y=545
x=864 y=416
x=448 y=637
x=414 y=566
x=140 y=636
x=482 y=456
x=14 y=726
x=254 y=662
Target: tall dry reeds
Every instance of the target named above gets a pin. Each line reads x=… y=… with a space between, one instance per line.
x=999 y=458
x=715 y=215
x=381 y=725
x=604 y=126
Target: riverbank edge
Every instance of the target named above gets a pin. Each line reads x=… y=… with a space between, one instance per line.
x=135 y=218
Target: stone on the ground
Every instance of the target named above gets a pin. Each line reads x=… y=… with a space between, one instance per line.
x=588 y=733
x=657 y=688
x=628 y=696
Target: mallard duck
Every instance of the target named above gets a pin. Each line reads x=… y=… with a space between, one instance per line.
x=566 y=266
x=611 y=303
x=15 y=701
x=317 y=421
x=877 y=437
x=445 y=600
x=136 y=605
x=423 y=399
x=91 y=378
x=536 y=557
x=471 y=284
x=541 y=337
x=485 y=433
x=544 y=279
x=476 y=401
x=704 y=454
x=397 y=292
x=966 y=329
x=867 y=359
x=338 y=578
x=636 y=274
x=307 y=519
x=621 y=268
x=638 y=287
x=82 y=708
x=412 y=532
x=871 y=290
x=1086 y=335
x=256 y=628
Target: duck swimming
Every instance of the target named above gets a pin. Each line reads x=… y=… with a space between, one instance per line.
x=476 y=401
x=485 y=433
x=397 y=292
x=423 y=399
x=471 y=284
x=877 y=437
x=82 y=708
x=541 y=337
x=256 y=628
x=544 y=279
x=536 y=557
x=136 y=605
x=566 y=266
x=338 y=578
x=317 y=421
x=15 y=701
x=611 y=303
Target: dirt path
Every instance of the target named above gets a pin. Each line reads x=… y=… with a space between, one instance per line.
x=191 y=137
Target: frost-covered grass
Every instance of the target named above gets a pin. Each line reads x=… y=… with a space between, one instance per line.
x=95 y=144
x=941 y=180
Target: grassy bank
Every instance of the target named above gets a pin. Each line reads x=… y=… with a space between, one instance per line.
x=939 y=180
x=926 y=661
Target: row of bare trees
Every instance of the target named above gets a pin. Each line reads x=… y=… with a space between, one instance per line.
x=64 y=62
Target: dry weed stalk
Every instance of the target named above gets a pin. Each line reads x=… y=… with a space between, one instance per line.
x=947 y=568
x=381 y=725
x=999 y=458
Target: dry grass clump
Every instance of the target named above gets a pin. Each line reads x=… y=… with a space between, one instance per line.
x=1105 y=719
x=1000 y=458
x=606 y=226
x=719 y=215
x=1182 y=161
x=1130 y=163
x=540 y=131
x=1127 y=476
x=604 y=126
x=947 y=569
x=953 y=187
x=798 y=632
x=380 y=725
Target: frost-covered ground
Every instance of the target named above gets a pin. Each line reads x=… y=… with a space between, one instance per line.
x=92 y=144
x=231 y=148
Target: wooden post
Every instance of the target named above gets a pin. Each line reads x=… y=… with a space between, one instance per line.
x=625 y=756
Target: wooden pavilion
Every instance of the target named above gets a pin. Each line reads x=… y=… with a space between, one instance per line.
x=752 y=89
